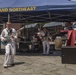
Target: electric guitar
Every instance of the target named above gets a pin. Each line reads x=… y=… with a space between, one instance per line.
x=7 y=40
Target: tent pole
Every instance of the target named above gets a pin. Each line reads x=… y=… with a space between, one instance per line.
x=49 y=15
x=27 y=28
x=8 y=17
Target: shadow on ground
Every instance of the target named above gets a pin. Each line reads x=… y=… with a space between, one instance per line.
x=19 y=63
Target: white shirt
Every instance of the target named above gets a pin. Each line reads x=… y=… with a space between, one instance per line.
x=5 y=33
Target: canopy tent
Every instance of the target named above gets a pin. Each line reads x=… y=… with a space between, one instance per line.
x=37 y=10
x=53 y=24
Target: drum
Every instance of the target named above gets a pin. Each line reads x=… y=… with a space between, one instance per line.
x=58 y=42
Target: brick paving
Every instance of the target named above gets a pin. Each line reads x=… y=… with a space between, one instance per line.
x=37 y=64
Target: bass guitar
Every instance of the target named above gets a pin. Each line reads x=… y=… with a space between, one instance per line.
x=7 y=40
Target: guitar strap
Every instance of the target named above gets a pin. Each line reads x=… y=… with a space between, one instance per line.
x=9 y=32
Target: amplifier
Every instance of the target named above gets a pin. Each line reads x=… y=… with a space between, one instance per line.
x=69 y=55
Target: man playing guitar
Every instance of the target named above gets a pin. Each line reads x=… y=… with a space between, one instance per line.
x=9 y=36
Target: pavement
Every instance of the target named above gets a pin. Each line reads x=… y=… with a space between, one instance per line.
x=37 y=64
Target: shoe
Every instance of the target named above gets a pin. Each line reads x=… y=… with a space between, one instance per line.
x=13 y=64
x=5 y=66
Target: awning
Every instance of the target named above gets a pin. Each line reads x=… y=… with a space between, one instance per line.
x=28 y=26
x=53 y=24
x=31 y=25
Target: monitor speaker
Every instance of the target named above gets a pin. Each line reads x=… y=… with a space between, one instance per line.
x=68 y=55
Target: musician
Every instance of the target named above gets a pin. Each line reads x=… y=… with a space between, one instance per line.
x=45 y=41
x=10 y=48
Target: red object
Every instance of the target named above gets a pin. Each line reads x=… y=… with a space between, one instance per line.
x=71 y=36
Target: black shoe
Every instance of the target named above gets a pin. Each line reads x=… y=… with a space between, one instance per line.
x=5 y=66
x=12 y=64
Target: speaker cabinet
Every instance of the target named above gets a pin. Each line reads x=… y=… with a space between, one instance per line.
x=69 y=55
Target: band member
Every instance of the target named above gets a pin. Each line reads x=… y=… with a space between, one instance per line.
x=45 y=41
x=8 y=36
x=46 y=45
